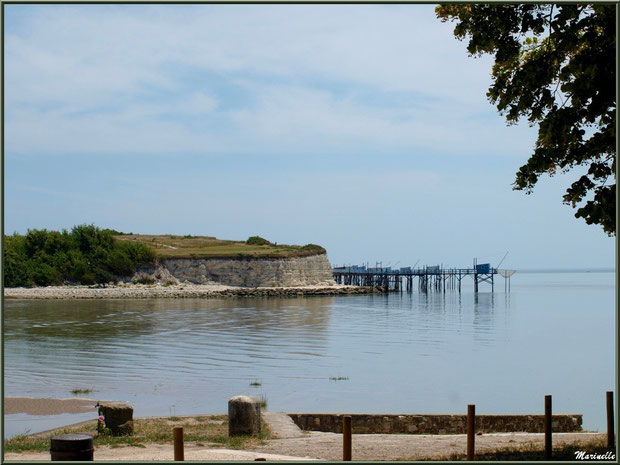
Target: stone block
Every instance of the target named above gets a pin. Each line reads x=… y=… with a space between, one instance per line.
x=118 y=417
x=243 y=416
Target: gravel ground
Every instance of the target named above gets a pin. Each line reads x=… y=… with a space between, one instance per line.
x=142 y=291
x=328 y=446
x=158 y=452
x=292 y=444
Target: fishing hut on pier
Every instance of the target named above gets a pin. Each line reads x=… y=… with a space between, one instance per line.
x=428 y=278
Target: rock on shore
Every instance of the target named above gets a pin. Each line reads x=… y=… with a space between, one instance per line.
x=140 y=291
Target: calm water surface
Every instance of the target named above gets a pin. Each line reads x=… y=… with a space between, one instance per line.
x=400 y=353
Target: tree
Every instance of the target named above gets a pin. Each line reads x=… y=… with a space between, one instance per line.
x=555 y=65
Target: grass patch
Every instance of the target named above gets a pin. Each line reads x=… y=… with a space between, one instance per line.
x=256 y=383
x=338 y=378
x=167 y=246
x=263 y=401
x=211 y=430
x=81 y=391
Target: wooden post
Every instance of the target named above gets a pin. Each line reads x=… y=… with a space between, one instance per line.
x=177 y=433
x=611 y=443
x=346 y=438
x=548 y=427
x=471 y=431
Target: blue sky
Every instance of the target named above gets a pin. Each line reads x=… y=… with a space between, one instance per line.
x=363 y=128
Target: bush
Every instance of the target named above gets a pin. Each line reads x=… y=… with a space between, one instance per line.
x=43 y=274
x=257 y=240
x=103 y=276
x=86 y=255
x=17 y=273
x=119 y=262
x=314 y=248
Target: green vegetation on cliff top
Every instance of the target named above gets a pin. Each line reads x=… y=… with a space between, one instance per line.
x=88 y=254
x=170 y=246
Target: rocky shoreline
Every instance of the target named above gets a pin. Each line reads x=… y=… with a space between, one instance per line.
x=184 y=290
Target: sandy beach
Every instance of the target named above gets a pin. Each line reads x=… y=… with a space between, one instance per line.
x=47 y=406
x=142 y=291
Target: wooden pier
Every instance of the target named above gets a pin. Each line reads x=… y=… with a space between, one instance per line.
x=429 y=278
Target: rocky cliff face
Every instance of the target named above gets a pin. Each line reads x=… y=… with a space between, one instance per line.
x=301 y=271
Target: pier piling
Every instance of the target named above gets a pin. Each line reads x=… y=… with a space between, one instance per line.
x=433 y=278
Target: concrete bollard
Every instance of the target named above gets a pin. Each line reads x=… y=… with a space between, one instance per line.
x=243 y=416
x=72 y=447
x=118 y=417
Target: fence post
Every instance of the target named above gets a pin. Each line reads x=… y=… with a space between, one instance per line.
x=611 y=443
x=346 y=438
x=177 y=433
x=548 y=428
x=471 y=431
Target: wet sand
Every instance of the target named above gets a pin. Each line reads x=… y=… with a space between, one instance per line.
x=48 y=406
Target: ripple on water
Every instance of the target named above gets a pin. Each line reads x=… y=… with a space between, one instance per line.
x=401 y=353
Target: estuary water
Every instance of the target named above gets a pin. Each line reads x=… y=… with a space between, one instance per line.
x=554 y=333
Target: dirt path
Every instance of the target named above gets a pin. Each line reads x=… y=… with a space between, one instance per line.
x=158 y=452
x=328 y=446
x=290 y=443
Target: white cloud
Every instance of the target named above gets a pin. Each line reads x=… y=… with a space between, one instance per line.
x=122 y=78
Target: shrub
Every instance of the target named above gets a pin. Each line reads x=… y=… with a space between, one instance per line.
x=119 y=262
x=314 y=248
x=88 y=278
x=103 y=276
x=257 y=240
x=86 y=255
x=17 y=272
x=44 y=274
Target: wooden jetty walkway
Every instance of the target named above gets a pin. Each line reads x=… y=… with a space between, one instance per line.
x=430 y=278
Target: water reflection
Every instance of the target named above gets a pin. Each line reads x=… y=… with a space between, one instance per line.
x=188 y=356
x=98 y=342
x=61 y=342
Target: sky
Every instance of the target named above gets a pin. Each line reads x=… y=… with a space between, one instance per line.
x=363 y=128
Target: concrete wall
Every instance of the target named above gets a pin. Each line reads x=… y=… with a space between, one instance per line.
x=434 y=424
